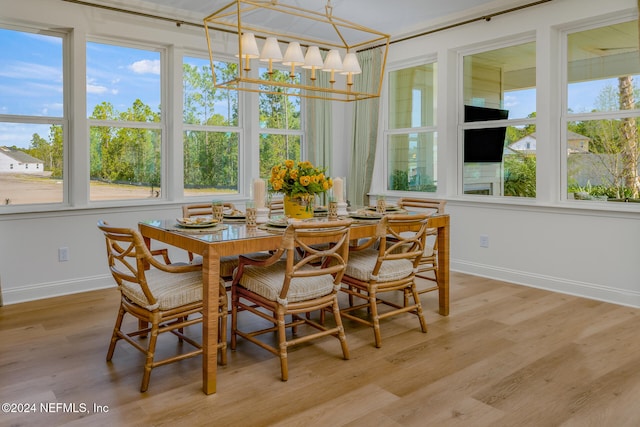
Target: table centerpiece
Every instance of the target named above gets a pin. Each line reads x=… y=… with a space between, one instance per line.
x=300 y=183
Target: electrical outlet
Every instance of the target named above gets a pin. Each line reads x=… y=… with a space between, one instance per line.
x=63 y=254
x=484 y=241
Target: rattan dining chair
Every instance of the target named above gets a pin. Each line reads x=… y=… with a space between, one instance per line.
x=162 y=297
x=276 y=207
x=204 y=209
x=287 y=285
x=385 y=263
x=429 y=260
x=227 y=264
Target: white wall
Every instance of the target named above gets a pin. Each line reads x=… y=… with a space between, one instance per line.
x=549 y=244
x=546 y=243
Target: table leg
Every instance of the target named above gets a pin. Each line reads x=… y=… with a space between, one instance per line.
x=443 y=268
x=210 y=280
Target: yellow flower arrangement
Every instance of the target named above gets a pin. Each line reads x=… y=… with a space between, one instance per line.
x=301 y=180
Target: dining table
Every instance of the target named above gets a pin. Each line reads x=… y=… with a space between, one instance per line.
x=235 y=238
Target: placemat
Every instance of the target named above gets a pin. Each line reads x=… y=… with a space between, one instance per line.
x=207 y=230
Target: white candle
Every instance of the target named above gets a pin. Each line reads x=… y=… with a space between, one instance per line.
x=337 y=189
x=258 y=192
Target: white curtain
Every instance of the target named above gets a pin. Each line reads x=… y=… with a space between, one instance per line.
x=365 y=129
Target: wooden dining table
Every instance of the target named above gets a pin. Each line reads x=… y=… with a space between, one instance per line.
x=237 y=239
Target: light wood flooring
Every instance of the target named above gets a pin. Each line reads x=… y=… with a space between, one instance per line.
x=507 y=355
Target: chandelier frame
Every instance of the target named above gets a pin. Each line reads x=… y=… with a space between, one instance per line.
x=232 y=19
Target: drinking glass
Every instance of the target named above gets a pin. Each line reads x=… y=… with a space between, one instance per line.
x=381 y=204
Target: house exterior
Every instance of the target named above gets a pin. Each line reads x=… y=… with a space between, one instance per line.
x=576 y=144
x=16 y=161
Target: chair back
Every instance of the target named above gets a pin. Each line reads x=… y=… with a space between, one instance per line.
x=203 y=209
x=430 y=206
x=315 y=248
x=401 y=236
x=128 y=257
x=276 y=207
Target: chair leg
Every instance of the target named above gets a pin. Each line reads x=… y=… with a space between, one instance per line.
x=341 y=335
x=234 y=318
x=142 y=325
x=114 y=336
x=282 y=344
x=406 y=296
x=416 y=298
x=149 y=361
x=375 y=318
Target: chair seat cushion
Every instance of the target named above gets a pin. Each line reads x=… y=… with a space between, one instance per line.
x=361 y=265
x=170 y=289
x=267 y=282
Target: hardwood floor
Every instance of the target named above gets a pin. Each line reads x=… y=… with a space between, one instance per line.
x=507 y=355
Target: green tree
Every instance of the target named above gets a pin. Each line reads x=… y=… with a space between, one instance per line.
x=57 y=151
x=615 y=141
x=520 y=175
x=210 y=158
x=40 y=148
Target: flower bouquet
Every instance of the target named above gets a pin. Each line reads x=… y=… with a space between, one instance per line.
x=299 y=183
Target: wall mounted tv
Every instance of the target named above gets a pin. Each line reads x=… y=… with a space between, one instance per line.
x=484 y=145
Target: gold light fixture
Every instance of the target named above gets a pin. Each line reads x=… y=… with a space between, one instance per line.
x=319 y=34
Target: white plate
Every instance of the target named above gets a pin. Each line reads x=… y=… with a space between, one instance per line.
x=234 y=216
x=196 y=222
x=365 y=215
x=388 y=208
x=278 y=223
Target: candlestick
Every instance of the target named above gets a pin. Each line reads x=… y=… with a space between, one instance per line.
x=258 y=192
x=338 y=189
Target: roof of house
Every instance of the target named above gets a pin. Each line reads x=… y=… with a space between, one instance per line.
x=571 y=136
x=19 y=156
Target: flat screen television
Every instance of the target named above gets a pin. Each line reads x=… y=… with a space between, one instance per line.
x=484 y=145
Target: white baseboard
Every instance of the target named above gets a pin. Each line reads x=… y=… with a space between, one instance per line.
x=555 y=284
x=55 y=289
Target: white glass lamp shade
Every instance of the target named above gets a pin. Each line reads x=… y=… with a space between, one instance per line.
x=293 y=57
x=332 y=63
x=249 y=49
x=313 y=60
x=271 y=52
x=350 y=66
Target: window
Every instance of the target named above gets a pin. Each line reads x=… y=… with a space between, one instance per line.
x=32 y=118
x=125 y=126
x=211 y=132
x=498 y=124
x=280 y=126
x=602 y=117
x=411 y=137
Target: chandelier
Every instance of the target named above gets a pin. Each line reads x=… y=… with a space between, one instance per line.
x=249 y=23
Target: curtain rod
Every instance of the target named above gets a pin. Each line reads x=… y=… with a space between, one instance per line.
x=469 y=21
x=425 y=33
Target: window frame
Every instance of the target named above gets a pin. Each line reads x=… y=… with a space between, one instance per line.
x=566 y=116
x=238 y=129
x=461 y=126
x=388 y=133
x=301 y=133
x=161 y=126
x=62 y=121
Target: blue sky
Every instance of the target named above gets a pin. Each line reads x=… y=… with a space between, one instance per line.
x=31 y=82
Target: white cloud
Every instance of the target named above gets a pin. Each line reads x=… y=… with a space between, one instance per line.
x=96 y=89
x=146 y=67
x=510 y=101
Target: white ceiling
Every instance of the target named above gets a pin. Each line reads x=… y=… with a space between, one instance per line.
x=398 y=18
